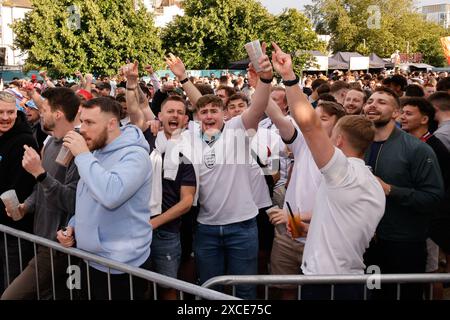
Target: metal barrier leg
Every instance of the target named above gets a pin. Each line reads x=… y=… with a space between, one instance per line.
x=398 y=291
x=6 y=259
x=234 y=291
x=36 y=271
x=131 y=287
x=88 y=280
x=181 y=295
x=20 y=254
x=53 y=274
x=266 y=292
x=299 y=292
x=332 y=292
x=109 y=284
x=155 y=291
x=365 y=292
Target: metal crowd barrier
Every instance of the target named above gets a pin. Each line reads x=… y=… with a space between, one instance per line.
x=299 y=280
x=157 y=279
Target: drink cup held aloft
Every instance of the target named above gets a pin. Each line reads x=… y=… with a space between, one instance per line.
x=11 y=202
x=254 y=52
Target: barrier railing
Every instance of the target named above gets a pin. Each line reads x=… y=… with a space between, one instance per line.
x=157 y=279
x=369 y=280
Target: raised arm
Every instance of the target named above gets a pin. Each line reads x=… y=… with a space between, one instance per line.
x=153 y=77
x=303 y=113
x=49 y=84
x=254 y=113
x=33 y=94
x=80 y=77
x=137 y=116
x=177 y=67
x=88 y=82
x=284 y=125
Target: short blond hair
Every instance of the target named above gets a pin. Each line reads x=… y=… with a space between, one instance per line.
x=358 y=130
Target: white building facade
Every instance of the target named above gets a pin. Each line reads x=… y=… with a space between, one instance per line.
x=438 y=13
x=9 y=12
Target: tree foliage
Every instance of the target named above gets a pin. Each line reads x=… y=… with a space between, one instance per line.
x=351 y=22
x=295 y=34
x=103 y=34
x=212 y=33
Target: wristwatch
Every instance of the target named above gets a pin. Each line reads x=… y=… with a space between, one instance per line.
x=184 y=80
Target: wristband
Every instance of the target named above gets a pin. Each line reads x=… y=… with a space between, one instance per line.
x=41 y=177
x=290 y=83
x=268 y=81
x=184 y=80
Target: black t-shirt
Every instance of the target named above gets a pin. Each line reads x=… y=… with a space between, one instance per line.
x=171 y=189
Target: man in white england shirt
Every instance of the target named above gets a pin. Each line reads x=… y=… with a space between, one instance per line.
x=226 y=236
x=350 y=201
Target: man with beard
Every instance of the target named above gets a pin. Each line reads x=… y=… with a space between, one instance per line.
x=174 y=181
x=112 y=203
x=53 y=200
x=408 y=171
x=14 y=133
x=354 y=101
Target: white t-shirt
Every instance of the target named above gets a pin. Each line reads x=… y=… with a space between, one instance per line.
x=225 y=188
x=266 y=145
x=305 y=177
x=284 y=159
x=350 y=203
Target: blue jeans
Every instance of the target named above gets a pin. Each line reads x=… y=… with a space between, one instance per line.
x=165 y=252
x=228 y=249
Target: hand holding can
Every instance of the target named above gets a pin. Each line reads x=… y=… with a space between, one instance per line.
x=254 y=52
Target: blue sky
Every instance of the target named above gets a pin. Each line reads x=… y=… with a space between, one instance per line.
x=276 y=6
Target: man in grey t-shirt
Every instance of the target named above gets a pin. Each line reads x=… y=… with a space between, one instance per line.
x=53 y=200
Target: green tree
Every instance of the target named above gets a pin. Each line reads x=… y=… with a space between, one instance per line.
x=294 y=33
x=90 y=35
x=383 y=25
x=213 y=33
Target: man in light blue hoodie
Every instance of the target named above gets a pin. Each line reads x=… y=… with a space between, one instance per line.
x=112 y=203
